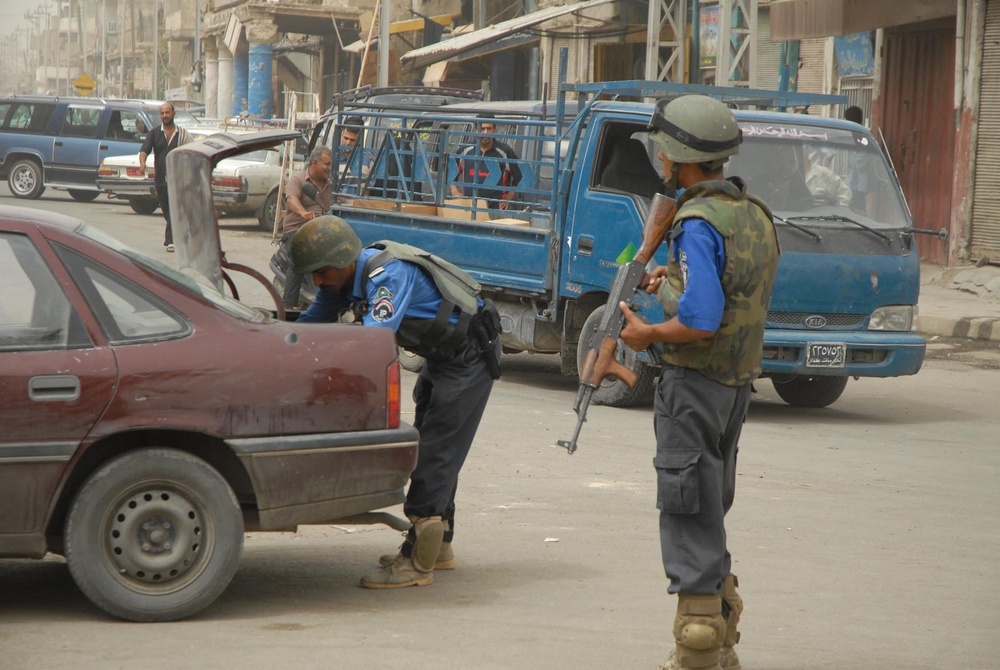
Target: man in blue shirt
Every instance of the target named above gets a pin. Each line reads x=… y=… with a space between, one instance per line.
x=388 y=285
x=714 y=291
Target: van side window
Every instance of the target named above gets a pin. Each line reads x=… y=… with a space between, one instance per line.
x=4 y=108
x=623 y=162
x=31 y=117
x=81 y=122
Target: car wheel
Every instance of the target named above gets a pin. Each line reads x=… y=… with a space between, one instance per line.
x=154 y=535
x=612 y=391
x=267 y=213
x=83 y=196
x=809 y=390
x=143 y=205
x=409 y=360
x=25 y=179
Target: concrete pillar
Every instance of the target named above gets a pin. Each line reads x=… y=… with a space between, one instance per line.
x=211 y=84
x=241 y=77
x=224 y=103
x=259 y=84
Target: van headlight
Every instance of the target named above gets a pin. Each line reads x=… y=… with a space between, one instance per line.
x=892 y=317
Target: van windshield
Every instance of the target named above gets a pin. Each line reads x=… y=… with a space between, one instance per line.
x=808 y=171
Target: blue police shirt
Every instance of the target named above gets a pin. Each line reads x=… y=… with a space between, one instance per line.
x=700 y=251
x=396 y=291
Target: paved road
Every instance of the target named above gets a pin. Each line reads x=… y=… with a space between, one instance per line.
x=865 y=536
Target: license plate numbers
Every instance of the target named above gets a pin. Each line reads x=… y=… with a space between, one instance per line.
x=826 y=355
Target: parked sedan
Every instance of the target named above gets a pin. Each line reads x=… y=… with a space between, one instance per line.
x=136 y=439
x=242 y=185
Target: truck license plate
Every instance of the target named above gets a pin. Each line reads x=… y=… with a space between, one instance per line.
x=826 y=355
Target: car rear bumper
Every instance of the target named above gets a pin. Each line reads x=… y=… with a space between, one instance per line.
x=316 y=478
x=125 y=188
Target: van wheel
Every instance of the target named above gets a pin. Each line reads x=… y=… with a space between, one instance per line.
x=267 y=213
x=143 y=205
x=809 y=390
x=612 y=391
x=83 y=196
x=25 y=179
x=154 y=535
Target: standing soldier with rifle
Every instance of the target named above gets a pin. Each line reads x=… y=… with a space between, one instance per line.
x=715 y=292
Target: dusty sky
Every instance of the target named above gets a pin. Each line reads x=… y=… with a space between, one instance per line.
x=12 y=13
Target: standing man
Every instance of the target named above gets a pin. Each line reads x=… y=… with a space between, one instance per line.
x=352 y=172
x=307 y=196
x=434 y=309
x=474 y=168
x=715 y=292
x=161 y=141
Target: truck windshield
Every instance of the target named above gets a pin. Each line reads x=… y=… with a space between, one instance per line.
x=819 y=174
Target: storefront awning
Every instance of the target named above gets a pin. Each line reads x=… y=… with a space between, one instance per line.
x=801 y=19
x=491 y=38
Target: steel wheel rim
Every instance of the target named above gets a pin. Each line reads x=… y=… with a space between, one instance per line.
x=24 y=180
x=156 y=538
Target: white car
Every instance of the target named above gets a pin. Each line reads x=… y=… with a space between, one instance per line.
x=244 y=184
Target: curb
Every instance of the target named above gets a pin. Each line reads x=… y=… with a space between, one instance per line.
x=972 y=328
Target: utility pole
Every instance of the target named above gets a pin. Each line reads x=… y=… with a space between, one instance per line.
x=104 y=47
x=383 y=43
x=156 y=49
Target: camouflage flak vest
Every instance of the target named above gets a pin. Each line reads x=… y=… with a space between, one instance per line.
x=732 y=355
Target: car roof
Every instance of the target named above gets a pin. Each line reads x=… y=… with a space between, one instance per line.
x=34 y=218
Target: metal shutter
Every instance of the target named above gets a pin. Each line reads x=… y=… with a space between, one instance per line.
x=986 y=196
x=812 y=55
x=768 y=66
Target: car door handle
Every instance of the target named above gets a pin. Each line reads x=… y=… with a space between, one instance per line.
x=585 y=245
x=103 y=146
x=50 y=388
x=58 y=143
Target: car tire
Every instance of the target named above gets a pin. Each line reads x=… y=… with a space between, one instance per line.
x=809 y=390
x=612 y=391
x=267 y=213
x=26 y=179
x=154 y=535
x=83 y=196
x=143 y=205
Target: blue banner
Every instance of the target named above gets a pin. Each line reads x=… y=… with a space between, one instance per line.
x=855 y=57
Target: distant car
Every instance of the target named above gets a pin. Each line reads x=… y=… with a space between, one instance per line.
x=245 y=184
x=137 y=439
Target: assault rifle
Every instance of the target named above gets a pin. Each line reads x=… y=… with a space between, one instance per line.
x=600 y=360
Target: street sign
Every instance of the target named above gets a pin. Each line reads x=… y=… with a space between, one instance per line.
x=84 y=84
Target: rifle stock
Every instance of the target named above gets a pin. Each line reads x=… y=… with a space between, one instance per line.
x=600 y=361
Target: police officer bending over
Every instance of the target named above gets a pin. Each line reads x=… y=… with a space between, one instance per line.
x=715 y=292
x=434 y=309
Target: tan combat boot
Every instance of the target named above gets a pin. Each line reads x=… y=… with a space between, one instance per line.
x=728 y=658
x=699 y=630
x=445 y=558
x=417 y=569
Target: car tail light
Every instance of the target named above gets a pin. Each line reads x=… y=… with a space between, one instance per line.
x=234 y=183
x=393 y=393
x=106 y=171
x=137 y=172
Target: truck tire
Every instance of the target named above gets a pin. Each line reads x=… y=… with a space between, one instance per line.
x=154 y=535
x=809 y=390
x=83 y=196
x=266 y=218
x=25 y=179
x=143 y=205
x=612 y=391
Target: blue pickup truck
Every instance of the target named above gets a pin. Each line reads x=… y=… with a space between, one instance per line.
x=56 y=142
x=845 y=297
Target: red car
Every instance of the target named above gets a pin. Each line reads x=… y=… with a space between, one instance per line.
x=149 y=419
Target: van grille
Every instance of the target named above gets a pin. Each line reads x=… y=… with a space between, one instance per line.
x=833 y=321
